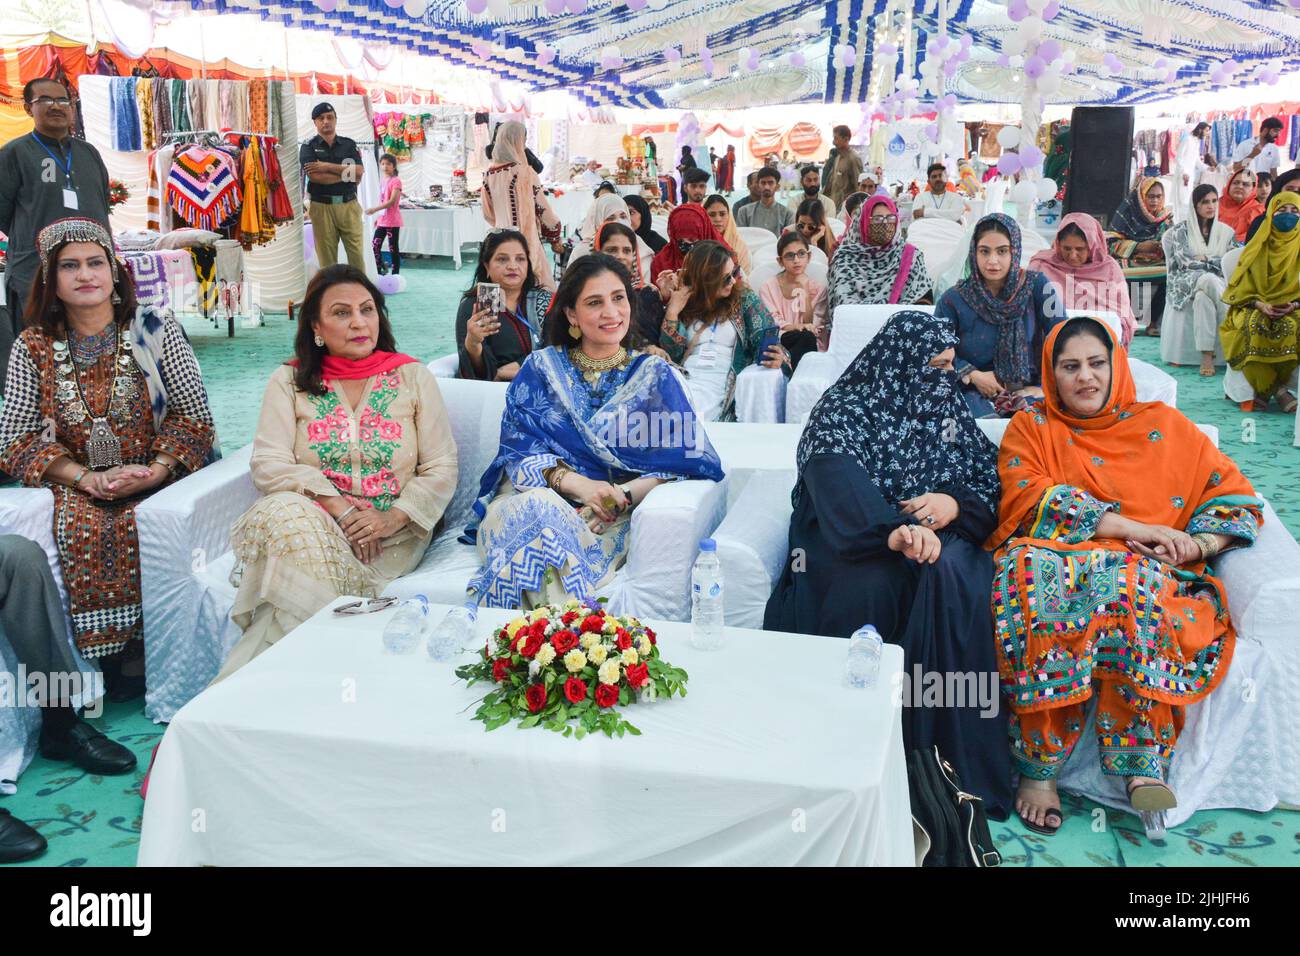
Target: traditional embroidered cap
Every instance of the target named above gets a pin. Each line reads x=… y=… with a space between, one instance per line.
x=74 y=229
x=320 y=109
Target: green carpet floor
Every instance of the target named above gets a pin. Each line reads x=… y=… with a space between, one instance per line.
x=96 y=820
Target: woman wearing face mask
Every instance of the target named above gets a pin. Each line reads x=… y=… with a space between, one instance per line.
x=1084 y=272
x=1263 y=296
x=897 y=491
x=564 y=466
x=873 y=265
x=714 y=327
x=687 y=225
x=1287 y=182
x=1134 y=240
x=720 y=215
x=491 y=346
x=1240 y=205
x=810 y=220
x=1195 y=250
x=1118 y=503
x=1002 y=313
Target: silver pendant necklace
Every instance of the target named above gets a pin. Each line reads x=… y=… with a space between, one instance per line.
x=103 y=447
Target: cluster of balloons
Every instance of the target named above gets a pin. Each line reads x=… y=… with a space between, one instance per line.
x=845 y=56
x=711 y=68
x=748 y=60
x=1045 y=61
x=943 y=57
x=904 y=101
x=1027 y=158
x=796 y=59
x=545 y=53
x=610 y=58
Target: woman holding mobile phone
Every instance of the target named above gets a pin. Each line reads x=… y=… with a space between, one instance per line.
x=796 y=300
x=714 y=327
x=492 y=343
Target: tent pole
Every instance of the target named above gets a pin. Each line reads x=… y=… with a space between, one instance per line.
x=203 y=53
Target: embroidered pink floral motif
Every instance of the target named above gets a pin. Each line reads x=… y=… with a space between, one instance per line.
x=318 y=431
x=341 y=481
x=390 y=430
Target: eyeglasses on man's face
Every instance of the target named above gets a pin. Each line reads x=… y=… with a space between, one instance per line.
x=48 y=101
x=797 y=256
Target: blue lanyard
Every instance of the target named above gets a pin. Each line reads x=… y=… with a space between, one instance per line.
x=67 y=170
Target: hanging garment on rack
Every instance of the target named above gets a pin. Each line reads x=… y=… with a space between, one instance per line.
x=203 y=187
x=255 y=228
x=234 y=105
x=162 y=106
x=180 y=104
x=211 y=104
x=149 y=272
x=148 y=119
x=205 y=261
x=257 y=106
x=279 y=205
x=157 y=214
x=276 y=107
x=194 y=94
x=123 y=114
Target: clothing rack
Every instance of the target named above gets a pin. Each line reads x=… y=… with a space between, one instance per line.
x=181 y=134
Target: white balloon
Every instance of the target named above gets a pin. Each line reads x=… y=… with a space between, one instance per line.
x=414 y=8
x=1046 y=189
x=1009 y=137
x=1049 y=83
x=1017 y=62
x=1013 y=44
x=1031 y=28
x=1024 y=192
x=499 y=8
x=1036 y=6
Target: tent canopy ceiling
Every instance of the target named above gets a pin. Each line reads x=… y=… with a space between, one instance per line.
x=665 y=46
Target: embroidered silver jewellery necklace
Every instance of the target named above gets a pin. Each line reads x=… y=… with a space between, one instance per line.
x=103 y=447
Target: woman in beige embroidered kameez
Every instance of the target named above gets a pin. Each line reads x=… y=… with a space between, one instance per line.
x=512 y=198
x=355 y=461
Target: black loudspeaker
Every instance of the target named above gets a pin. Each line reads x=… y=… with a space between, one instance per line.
x=1100 y=159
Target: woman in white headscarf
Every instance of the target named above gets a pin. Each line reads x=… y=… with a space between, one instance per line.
x=512 y=198
x=610 y=208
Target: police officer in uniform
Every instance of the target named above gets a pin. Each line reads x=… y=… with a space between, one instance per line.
x=332 y=165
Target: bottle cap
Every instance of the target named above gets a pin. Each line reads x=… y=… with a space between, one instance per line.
x=708 y=544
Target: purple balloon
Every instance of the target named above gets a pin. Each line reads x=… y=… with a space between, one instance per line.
x=327 y=6
x=1030 y=156
x=1049 y=50
x=1051 y=11
x=475 y=6
x=576 y=6
x=932 y=132
x=1008 y=164
x=1003 y=60
x=938 y=43
x=545 y=57
x=636 y=4
x=393 y=4
x=1017 y=10
x=797 y=60
x=390 y=284
x=1034 y=67
x=966 y=41
x=1112 y=62
x=555 y=7
x=672 y=54
x=950 y=68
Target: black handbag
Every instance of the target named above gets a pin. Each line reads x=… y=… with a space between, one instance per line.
x=952 y=819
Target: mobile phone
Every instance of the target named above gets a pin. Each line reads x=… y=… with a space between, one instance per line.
x=771 y=337
x=489 y=297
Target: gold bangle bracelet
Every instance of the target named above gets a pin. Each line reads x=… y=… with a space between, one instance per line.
x=158 y=461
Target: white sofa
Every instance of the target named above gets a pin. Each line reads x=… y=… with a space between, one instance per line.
x=186 y=559
x=856 y=325
x=1240 y=746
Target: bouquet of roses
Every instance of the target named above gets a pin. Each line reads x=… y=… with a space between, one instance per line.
x=567 y=667
x=117 y=193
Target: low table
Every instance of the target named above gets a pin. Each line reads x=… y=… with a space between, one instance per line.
x=325 y=750
x=441 y=232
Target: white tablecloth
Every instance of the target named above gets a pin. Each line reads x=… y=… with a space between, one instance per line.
x=441 y=232
x=572 y=206
x=327 y=751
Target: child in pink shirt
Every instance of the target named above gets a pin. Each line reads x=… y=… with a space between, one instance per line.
x=389 y=223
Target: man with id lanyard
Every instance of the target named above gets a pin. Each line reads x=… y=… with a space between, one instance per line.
x=937 y=201
x=44 y=176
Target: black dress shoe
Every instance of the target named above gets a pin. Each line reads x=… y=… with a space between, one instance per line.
x=88 y=749
x=18 y=841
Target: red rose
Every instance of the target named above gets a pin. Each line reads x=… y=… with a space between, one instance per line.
x=637 y=675
x=501 y=669
x=623 y=639
x=538 y=628
x=536 y=697
x=575 y=690
x=532 y=644
x=593 y=624
x=651 y=634
x=568 y=617
x=607 y=695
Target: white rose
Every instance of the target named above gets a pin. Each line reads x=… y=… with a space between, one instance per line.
x=575 y=661
x=611 y=626
x=609 y=672
x=534 y=666
x=630 y=657
x=587 y=640
x=597 y=654
x=545 y=655
x=643 y=646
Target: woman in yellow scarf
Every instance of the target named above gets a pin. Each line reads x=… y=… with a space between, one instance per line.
x=720 y=215
x=1263 y=296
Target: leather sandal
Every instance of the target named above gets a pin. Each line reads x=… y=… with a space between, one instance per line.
x=1049 y=827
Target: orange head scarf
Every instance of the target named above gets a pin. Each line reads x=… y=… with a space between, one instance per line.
x=603 y=232
x=1147 y=457
x=1239 y=215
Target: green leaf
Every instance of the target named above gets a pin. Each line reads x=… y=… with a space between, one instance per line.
x=529 y=722
x=568 y=732
x=624 y=696
x=631 y=730
x=580 y=733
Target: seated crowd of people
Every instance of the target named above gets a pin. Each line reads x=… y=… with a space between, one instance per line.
x=909 y=517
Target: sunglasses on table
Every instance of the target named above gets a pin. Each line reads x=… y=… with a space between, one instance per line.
x=52 y=101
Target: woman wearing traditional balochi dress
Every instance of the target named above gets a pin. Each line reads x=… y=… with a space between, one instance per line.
x=512 y=198
x=1136 y=229
x=1110 y=509
x=554 y=512
x=897 y=491
x=355 y=462
x=104 y=404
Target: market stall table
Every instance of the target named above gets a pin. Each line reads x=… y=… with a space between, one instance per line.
x=325 y=750
x=571 y=205
x=441 y=231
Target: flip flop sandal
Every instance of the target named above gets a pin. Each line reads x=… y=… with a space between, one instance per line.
x=1288 y=403
x=1044 y=828
x=1207 y=371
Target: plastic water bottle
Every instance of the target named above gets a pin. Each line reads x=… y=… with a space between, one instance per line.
x=706 y=598
x=404 y=628
x=863 y=662
x=453 y=634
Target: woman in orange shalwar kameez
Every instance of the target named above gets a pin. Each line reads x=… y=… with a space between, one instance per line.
x=1110 y=509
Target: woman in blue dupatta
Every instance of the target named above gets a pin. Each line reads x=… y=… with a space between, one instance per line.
x=590 y=428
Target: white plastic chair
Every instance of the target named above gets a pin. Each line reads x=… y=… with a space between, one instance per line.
x=1235 y=385
x=445 y=366
x=754 y=236
x=940 y=241
x=853 y=326
x=837 y=227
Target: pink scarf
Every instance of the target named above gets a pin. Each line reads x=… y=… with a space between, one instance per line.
x=1097 y=285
